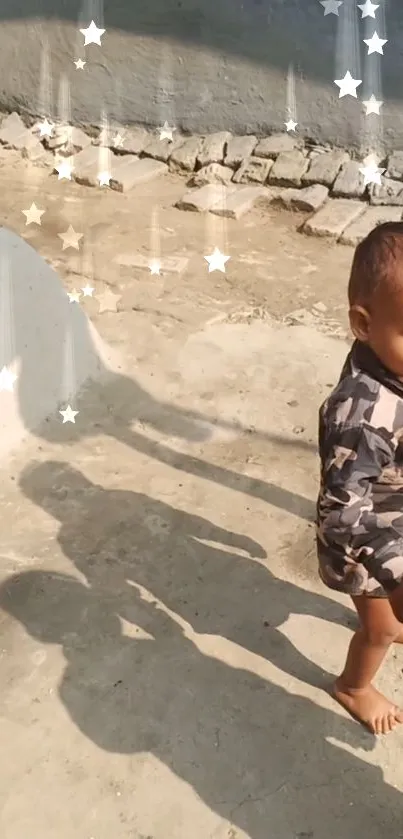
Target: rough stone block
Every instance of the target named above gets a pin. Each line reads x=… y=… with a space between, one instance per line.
x=271 y=147
x=395 y=165
x=332 y=219
x=169 y=264
x=350 y=182
x=390 y=193
x=11 y=130
x=213 y=148
x=288 y=169
x=162 y=149
x=253 y=169
x=87 y=165
x=69 y=139
x=36 y=153
x=239 y=202
x=204 y=199
x=238 y=148
x=130 y=171
x=185 y=156
x=359 y=229
x=124 y=140
x=308 y=199
x=214 y=173
x=134 y=141
x=324 y=168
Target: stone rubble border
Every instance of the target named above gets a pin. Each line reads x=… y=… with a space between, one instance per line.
x=227 y=174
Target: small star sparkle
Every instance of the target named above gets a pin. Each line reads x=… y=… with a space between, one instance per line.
x=118 y=140
x=68 y=414
x=331 y=7
x=80 y=64
x=88 y=291
x=64 y=169
x=33 y=215
x=372 y=105
x=368 y=9
x=166 y=133
x=7 y=379
x=216 y=261
x=46 y=128
x=70 y=238
x=375 y=44
x=372 y=175
x=104 y=178
x=290 y=125
x=155 y=266
x=92 y=34
x=348 y=85
x=74 y=296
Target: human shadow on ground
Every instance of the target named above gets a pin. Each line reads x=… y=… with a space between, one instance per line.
x=189 y=563
x=257 y=755
x=53 y=340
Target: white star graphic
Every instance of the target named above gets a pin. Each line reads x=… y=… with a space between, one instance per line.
x=155 y=266
x=46 y=128
x=108 y=301
x=64 y=169
x=372 y=175
x=166 y=133
x=348 y=85
x=7 y=379
x=80 y=64
x=331 y=7
x=74 y=296
x=104 y=178
x=92 y=34
x=216 y=261
x=118 y=140
x=87 y=291
x=70 y=238
x=372 y=105
x=368 y=9
x=290 y=125
x=375 y=44
x=33 y=215
x=68 y=414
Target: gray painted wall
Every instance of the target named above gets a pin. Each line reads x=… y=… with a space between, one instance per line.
x=206 y=64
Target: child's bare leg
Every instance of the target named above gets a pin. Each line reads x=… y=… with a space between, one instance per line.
x=368 y=647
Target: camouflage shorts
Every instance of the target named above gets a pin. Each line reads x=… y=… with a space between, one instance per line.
x=341 y=573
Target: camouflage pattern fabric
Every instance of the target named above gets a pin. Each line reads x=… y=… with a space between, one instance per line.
x=359 y=528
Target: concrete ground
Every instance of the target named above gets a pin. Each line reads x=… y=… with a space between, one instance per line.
x=165 y=643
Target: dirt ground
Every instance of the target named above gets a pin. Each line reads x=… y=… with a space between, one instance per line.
x=165 y=643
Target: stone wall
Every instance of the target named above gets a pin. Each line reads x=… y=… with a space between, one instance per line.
x=206 y=65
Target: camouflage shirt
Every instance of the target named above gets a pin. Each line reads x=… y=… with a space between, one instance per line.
x=360 y=505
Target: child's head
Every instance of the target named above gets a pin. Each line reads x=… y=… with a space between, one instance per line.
x=375 y=294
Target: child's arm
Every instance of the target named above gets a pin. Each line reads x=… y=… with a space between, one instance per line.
x=355 y=458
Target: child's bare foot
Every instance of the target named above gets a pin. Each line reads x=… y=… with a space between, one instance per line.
x=369 y=707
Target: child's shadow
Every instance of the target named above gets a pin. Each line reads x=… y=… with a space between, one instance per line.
x=58 y=351
x=253 y=753
x=114 y=537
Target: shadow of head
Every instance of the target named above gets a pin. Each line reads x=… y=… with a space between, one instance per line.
x=54 y=608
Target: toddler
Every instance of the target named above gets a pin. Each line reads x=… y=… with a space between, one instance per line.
x=360 y=504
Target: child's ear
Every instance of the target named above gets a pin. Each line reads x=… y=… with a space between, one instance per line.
x=360 y=320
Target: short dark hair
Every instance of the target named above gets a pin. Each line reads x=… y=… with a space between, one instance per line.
x=377 y=262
